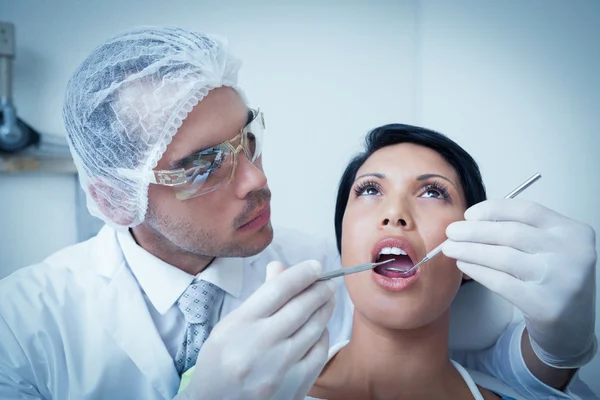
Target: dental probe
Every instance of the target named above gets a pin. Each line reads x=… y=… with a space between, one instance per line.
x=438 y=249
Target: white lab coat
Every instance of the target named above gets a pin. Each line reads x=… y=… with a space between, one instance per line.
x=76 y=326
x=81 y=330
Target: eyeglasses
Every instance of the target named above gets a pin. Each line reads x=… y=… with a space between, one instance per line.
x=209 y=169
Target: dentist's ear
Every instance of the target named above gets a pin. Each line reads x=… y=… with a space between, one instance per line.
x=107 y=198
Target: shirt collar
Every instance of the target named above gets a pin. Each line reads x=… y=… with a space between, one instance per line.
x=226 y=273
x=164 y=283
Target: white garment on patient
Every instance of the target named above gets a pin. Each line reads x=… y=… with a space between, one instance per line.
x=463 y=372
x=511 y=369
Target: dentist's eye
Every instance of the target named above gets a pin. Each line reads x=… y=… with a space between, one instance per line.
x=436 y=190
x=367 y=189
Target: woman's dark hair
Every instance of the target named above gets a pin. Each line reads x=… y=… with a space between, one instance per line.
x=388 y=135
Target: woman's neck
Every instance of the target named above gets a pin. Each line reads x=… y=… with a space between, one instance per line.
x=389 y=363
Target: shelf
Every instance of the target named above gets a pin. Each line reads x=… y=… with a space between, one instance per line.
x=11 y=164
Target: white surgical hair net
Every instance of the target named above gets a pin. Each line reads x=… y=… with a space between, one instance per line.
x=124 y=104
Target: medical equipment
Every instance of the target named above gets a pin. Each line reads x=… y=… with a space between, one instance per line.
x=15 y=134
x=205 y=171
x=351 y=270
x=438 y=249
x=125 y=103
x=278 y=336
x=429 y=256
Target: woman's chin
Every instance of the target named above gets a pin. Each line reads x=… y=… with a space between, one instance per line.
x=398 y=316
x=411 y=304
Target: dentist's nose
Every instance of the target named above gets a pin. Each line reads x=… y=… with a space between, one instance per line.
x=248 y=178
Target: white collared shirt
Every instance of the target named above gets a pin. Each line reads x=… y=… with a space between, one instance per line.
x=162 y=284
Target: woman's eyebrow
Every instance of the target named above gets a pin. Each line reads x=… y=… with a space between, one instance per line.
x=419 y=178
x=375 y=174
x=428 y=176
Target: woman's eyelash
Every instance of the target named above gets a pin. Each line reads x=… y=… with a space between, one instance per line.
x=439 y=188
x=360 y=188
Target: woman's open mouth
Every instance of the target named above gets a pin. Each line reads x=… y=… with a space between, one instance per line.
x=394 y=269
x=390 y=275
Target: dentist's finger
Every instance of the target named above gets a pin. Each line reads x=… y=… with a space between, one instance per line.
x=523 y=266
x=518 y=210
x=517 y=235
x=280 y=289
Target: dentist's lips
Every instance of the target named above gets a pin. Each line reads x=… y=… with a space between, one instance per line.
x=394 y=280
x=259 y=220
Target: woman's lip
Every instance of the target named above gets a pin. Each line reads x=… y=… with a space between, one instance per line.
x=394 y=284
x=400 y=242
x=257 y=222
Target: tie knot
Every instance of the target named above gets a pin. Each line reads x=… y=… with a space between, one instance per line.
x=198 y=301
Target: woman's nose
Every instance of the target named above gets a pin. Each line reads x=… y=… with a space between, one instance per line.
x=396 y=216
x=400 y=222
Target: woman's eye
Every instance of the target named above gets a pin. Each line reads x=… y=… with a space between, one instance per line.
x=367 y=190
x=433 y=193
x=370 y=191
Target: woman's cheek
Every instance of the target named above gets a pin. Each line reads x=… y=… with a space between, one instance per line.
x=433 y=235
x=350 y=242
x=435 y=227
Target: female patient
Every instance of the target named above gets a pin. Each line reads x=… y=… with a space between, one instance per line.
x=395 y=200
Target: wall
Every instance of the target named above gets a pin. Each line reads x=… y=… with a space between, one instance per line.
x=37 y=217
x=329 y=62
x=515 y=83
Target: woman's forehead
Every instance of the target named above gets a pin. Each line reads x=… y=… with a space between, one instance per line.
x=407 y=159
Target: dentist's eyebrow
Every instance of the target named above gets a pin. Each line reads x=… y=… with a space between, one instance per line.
x=375 y=174
x=429 y=176
x=194 y=154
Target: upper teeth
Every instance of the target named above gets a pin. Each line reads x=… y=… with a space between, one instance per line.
x=392 y=250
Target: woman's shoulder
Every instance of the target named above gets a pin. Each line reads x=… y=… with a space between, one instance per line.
x=477 y=388
x=331 y=376
x=333 y=350
x=488 y=395
x=328 y=381
x=495 y=385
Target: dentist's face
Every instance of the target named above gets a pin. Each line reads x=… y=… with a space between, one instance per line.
x=232 y=221
x=403 y=198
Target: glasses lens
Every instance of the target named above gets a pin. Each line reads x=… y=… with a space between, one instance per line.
x=254 y=135
x=208 y=173
x=214 y=167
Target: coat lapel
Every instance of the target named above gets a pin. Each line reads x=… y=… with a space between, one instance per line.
x=125 y=316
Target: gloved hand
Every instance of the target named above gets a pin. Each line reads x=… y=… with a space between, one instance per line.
x=542 y=262
x=274 y=344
